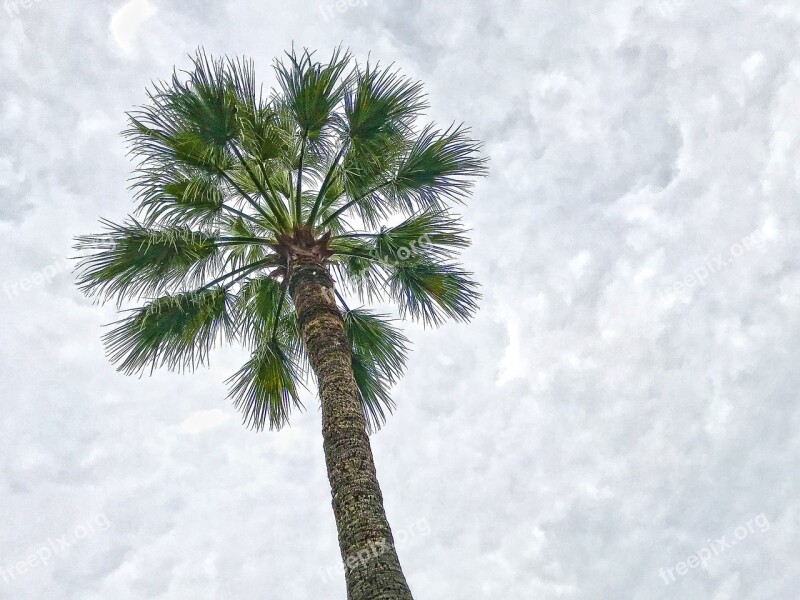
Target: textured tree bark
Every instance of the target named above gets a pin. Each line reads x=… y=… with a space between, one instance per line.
x=372 y=569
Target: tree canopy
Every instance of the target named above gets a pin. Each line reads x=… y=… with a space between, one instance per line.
x=229 y=177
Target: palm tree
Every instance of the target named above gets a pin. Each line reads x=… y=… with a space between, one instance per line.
x=249 y=208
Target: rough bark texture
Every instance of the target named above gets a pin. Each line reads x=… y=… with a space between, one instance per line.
x=372 y=569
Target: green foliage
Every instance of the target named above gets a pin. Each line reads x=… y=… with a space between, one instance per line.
x=258 y=301
x=362 y=275
x=431 y=232
x=239 y=252
x=325 y=205
x=226 y=171
x=379 y=358
x=187 y=199
x=265 y=388
x=311 y=90
x=439 y=167
x=172 y=331
x=380 y=108
x=262 y=137
x=433 y=291
x=207 y=103
x=131 y=259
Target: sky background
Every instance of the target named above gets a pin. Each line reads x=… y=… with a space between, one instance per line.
x=626 y=397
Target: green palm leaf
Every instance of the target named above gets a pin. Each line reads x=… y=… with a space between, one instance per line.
x=432 y=291
x=187 y=123
x=176 y=198
x=374 y=395
x=326 y=205
x=244 y=253
x=440 y=166
x=359 y=267
x=176 y=332
x=380 y=107
x=171 y=145
x=132 y=259
x=366 y=176
x=265 y=388
x=433 y=233
x=373 y=337
x=311 y=90
x=261 y=136
x=379 y=356
x=361 y=276
x=265 y=307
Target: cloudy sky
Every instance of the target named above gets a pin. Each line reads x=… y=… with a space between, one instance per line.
x=619 y=422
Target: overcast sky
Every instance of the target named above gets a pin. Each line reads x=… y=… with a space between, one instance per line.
x=619 y=422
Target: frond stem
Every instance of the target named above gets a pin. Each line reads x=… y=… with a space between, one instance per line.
x=298 y=211
x=278 y=213
x=281 y=301
x=324 y=187
x=339 y=296
x=271 y=188
x=249 y=268
x=239 y=213
x=354 y=201
x=247 y=197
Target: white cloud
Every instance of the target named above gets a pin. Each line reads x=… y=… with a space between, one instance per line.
x=126 y=22
x=203 y=421
x=584 y=432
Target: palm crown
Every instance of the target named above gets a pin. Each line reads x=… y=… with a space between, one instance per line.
x=230 y=181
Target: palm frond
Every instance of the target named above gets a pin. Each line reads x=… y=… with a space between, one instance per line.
x=252 y=177
x=160 y=147
x=431 y=291
x=379 y=107
x=326 y=206
x=282 y=184
x=177 y=198
x=374 y=396
x=367 y=177
x=358 y=267
x=265 y=388
x=361 y=276
x=189 y=122
x=373 y=337
x=439 y=167
x=132 y=259
x=262 y=301
x=261 y=136
x=206 y=104
x=379 y=357
x=433 y=233
x=240 y=76
x=311 y=89
x=176 y=332
x=241 y=247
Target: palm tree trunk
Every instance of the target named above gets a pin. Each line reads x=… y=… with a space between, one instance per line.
x=372 y=569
